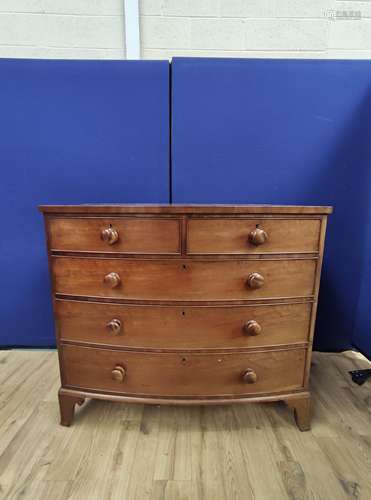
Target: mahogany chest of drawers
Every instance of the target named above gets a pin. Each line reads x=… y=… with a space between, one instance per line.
x=185 y=304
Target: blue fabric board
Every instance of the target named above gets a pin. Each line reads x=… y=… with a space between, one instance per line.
x=362 y=328
x=71 y=132
x=285 y=132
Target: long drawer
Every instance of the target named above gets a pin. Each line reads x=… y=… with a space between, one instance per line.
x=183 y=374
x=250 y=236
x=182 y=327
x=125 y=235
x=183 y=279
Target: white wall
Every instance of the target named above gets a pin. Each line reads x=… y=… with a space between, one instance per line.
x=226 y=28
x=256 y=28
x=69 y=29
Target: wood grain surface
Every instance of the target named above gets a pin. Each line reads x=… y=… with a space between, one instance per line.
x=135 y=235
x=182 y=374
x=182 y=327
x=231 y=236
x=123 y=451
x=182 y=279
x=185 y=304
x=184 y=209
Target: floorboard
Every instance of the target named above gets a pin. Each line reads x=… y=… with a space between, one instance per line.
x=122 y=451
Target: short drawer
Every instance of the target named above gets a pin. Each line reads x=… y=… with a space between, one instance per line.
x=125 y=235
x=182 y=327
x=249 y=236
x=183 y=374
x=183 y=279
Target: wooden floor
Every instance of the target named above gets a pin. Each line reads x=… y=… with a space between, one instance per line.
x=118 y=451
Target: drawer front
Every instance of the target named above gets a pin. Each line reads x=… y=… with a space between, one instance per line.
x=182 y=279
x=249 y=236
x=125 y=235
x=185 y=374
x=182 y=327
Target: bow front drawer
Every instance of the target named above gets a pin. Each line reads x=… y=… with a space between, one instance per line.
x=249 y=236
x=183 y=280
x=182 y=327
x=115 y=235
x=183 y=374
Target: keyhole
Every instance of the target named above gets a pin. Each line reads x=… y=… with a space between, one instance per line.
x=184 y=361
x=183 y=313
x=184 y=267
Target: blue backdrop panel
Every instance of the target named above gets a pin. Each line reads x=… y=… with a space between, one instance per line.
x=362 y=330
x=282 y=132
x=71 y=132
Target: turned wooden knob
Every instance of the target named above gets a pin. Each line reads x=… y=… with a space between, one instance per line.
x=249 y=376
x=114 y=326
x=110 y=235
x=255 y=280
x=258 y=236
x=252 y=327
x=118 y=373
x=112 y=280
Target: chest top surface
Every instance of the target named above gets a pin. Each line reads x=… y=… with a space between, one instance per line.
x=185 y=209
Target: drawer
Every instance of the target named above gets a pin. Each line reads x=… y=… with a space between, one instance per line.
x=183 y=374
x=125 y=235
x=183 y=279
x=182 y=327
x=249 y=236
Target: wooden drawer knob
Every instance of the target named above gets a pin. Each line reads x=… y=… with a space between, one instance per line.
x=255 y=280
x=118 y=373
x=258 y=236
x=110 y=235
x=112 y=279
x=249 y=376
x=252 y=328
x=114 y=326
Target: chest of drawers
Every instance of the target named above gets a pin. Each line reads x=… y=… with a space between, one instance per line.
x=185 y=304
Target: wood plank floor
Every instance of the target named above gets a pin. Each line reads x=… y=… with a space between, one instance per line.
x=119 y=451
